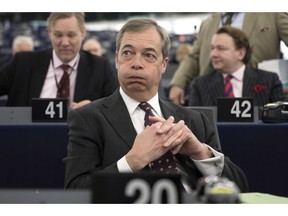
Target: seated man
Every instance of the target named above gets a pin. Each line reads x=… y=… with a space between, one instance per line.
x=63 y=71
x=230 y=53
x=131 y=130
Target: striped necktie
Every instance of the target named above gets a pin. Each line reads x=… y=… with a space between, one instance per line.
x=228 y=88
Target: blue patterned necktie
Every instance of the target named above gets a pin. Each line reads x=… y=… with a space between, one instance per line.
x=228 y=88
x=166 y=163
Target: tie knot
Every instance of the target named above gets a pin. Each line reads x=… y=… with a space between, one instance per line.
x=228 y=78
x=145 y=106
x=65 y=67
x=228 y=18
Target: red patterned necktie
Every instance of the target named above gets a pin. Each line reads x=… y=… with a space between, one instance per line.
x=228 y=88
x=64 y=84
x=166 y=163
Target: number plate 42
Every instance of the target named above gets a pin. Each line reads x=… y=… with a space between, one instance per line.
x=235 y=110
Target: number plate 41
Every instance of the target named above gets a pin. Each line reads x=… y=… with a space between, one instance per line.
x=49 y=110
x=235 y=110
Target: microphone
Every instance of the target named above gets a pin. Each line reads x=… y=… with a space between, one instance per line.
x=214 y=189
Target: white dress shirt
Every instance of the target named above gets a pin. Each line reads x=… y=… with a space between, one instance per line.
x=49 y=89
x=211 y=166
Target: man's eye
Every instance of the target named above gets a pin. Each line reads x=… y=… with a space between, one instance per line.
x=57 y=35
x=150 y=57
x=126 y=53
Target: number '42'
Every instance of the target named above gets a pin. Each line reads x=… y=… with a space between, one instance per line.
x=237 y=111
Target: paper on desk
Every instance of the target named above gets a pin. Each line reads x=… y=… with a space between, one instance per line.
x=262 y=198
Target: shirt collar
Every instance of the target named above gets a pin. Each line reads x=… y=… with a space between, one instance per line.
x=132 y=104
x=73 y=63
x=238 y=74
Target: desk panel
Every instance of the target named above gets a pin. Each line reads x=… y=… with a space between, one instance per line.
x=31 y=155
x=261 y=151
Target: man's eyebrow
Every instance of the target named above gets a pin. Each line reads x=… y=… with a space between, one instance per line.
x=127 y=46
x=150 y=49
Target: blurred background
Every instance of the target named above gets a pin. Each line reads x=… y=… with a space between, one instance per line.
x=182 y=28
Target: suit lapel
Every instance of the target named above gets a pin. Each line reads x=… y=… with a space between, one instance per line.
x=216 y=86
x=116 y=113
x=250 y=80
x=169 y=110
x=82 y=77
x=39 y=73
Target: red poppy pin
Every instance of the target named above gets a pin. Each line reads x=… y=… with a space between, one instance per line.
x=259 y=88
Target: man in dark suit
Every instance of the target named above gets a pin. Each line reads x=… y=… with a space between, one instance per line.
x=38 y=74
x=264 y=30
x=108 y=135
x=230 y=54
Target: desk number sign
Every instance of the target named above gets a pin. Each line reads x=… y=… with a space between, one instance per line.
x=235 y=110
x=137 y=188
x=49 y=110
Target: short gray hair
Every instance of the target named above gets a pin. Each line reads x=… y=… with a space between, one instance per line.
x=53 y=17
x=20 y=39
x=137 y=25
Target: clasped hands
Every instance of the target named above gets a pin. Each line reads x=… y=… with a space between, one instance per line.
x=162 y=136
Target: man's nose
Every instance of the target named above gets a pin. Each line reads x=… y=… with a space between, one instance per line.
x=137 y=62
x=65 y=41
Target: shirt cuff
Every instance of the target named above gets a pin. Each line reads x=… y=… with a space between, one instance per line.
x=123 y=166
x=211 y=166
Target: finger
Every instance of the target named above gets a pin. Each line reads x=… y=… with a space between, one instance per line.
x=172 y=138
x=166 y=126
x=176 y=149
x=155 y=119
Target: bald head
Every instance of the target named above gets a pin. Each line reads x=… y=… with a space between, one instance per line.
x=93 y=46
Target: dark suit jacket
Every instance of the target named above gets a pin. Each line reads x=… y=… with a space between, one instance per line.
x=102 y=132
x=23 y=78
x=263 y=86
x=264 y=30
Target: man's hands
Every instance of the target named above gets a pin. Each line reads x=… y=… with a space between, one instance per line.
x=162 y=136
x=75 y=105
x=176 y=95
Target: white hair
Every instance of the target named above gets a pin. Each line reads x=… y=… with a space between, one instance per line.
x=22 y=39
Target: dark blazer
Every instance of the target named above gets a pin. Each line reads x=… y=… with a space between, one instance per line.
x=102 y=132
x=23 y=77
x=263 y=86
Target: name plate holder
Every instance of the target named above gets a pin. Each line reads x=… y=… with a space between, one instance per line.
x=235 y=109
x=138 y=188
x=49 y=110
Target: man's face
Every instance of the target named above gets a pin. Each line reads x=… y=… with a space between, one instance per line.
x=140 y=64
x=66 y=38
x=224 y=55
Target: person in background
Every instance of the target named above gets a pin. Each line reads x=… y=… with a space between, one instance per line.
x=109 y=135
x=93 y=46
x=22 y=43
x=39 y=74
x=183 y=50
x=230 y=53
x=264 y=30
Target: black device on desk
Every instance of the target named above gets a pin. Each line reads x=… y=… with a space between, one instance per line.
x=275 y=112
